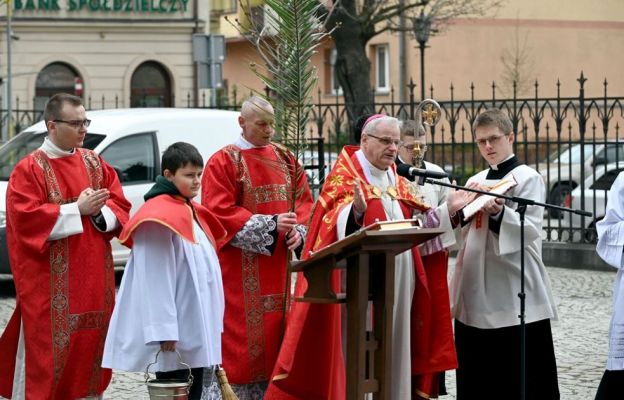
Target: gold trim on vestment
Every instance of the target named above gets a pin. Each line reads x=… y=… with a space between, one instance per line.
x=64 y=323
x=256 y=304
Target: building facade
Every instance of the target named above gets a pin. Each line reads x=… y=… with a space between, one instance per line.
x=129 y=53
x=547 y=41
x=113 y=53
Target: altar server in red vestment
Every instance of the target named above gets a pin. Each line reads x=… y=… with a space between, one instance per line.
x=363 y=187
x=64 y=205
x=249 y=186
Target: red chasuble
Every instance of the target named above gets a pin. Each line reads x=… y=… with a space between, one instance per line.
x=236 y=185
x=310 y=364
x=65 y=288
x=177 y=214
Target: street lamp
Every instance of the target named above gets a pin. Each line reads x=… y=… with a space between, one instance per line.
x=422 y=29
x=9 y=38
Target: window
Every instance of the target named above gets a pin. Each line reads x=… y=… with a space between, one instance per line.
x=334 y=86
x=614 y=153
x=224 y=6
x=28 y=142
x=606 y=181
x=56 y=78
x=150 y=86
x=133 y=157
x=382 y=81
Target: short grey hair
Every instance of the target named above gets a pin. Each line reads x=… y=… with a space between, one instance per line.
x=253 y=105
x=371 y=127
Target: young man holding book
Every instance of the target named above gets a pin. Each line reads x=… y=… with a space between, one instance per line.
x=486 y=280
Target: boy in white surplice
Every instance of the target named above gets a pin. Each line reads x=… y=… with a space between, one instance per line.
x=486 y=280
x=171 y=294
x=611 y=248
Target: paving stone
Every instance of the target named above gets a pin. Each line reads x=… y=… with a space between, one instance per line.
x=583 y=299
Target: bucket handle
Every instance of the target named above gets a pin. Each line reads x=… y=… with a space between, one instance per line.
x=190 y=378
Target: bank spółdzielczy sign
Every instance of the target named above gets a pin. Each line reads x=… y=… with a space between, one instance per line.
x=123 y=6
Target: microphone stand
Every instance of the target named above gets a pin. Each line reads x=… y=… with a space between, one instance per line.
x=521 y=210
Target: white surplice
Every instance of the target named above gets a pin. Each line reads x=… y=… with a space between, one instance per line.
x=171 y=290
x=435 y=197
x=486 y=279
x=610 y=247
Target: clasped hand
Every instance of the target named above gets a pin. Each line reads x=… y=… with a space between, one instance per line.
x=90 y=202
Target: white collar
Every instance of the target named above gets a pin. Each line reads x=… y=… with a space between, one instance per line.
x=371 y=171
x=53 y=151
x=245 y=144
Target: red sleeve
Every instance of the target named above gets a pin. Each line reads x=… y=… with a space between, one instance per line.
x=117 y=202
x=303 y=206
x=28 y=207
x=221 y=191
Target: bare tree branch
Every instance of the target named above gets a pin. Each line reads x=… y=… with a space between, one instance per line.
x=518 y=65
x=396 y=10
x=358 y=21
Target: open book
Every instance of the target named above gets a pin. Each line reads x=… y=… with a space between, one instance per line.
x=392 y=225
x=477 y=204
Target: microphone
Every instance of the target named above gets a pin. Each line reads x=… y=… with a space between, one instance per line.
x=408 y=171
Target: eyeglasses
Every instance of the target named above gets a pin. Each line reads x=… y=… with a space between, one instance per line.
x=76 y=123
x=411 y=147
x=386 y=141
x=492 y=140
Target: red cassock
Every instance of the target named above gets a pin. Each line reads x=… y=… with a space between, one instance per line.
x=236 y=185
x=65 y=288
x=310 y=364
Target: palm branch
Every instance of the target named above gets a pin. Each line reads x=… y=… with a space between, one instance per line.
x=287 y=72
x=290 y=76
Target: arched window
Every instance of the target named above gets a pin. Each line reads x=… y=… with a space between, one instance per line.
x=56 y=78
x=150 y=86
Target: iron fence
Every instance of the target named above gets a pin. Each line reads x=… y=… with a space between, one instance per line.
x=574 y=142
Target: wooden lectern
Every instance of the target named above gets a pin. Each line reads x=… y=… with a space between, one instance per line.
x=368 y=255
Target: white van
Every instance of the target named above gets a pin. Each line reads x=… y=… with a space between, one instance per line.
x=132 y=141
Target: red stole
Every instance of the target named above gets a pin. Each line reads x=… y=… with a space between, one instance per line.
x=177 y=214
x=310 y=364
x=236 y=185
x=65 y=288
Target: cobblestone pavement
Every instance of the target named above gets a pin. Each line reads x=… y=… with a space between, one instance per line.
x=584 y=302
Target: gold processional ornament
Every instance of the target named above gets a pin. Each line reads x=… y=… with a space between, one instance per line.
x=429 y=112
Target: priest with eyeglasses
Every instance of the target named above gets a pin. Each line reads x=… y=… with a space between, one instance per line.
x=64 y=205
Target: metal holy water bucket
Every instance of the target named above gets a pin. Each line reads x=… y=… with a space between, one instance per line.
x=168 y=389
